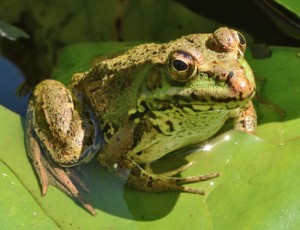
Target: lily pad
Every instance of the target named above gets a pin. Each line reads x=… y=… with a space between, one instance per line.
x=11 y=32
x=18 y=209
x=291 y=5
x=258 y=188
x=285 y=14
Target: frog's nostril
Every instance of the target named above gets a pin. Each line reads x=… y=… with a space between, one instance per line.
x=223 y=75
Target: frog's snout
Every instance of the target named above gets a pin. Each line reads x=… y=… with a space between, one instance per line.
x=240 y=85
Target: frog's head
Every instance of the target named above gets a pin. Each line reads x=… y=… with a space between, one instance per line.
x=205 y=70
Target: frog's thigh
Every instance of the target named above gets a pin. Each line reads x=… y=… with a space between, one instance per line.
x=52 y=104
x=246 y=119
x=56 y=121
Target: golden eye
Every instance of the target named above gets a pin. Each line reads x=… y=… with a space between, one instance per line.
x=181 y=66
x=242 y=42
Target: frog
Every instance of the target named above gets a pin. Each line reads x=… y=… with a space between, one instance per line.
x=136 y=107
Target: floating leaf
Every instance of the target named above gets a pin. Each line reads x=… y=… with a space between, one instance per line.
x=11 y=32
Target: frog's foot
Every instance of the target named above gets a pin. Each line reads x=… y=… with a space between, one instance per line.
x=51 y=173
x=141 y=179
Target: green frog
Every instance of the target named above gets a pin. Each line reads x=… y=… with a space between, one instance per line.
x=137 y=107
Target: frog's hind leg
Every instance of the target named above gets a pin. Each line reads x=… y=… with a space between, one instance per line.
x=114 y=157
x=50 y=117
x=49 y=172
x=37 y=159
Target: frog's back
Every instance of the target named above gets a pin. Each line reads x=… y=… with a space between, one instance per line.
x=113 y=84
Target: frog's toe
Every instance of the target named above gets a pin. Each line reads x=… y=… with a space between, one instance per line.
x=179 y=182
x=193 y=179
x=198 y=178
x=51 y=173
x=176 y=183
x=63 y=179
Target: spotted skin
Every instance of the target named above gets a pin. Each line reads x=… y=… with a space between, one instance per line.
x=135 y=108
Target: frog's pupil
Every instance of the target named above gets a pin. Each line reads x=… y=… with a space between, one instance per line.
x=180 y=65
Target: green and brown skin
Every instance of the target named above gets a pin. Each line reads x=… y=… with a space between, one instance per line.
x=147 y=102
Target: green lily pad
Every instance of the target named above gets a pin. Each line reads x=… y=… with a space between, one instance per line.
x=18 y=209
x=291 y=5
x=285 y=14
x=258 y=188
x=81 y=57
x=11 y=32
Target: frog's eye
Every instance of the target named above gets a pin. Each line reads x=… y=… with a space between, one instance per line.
x=242 y=42
x=181 y=66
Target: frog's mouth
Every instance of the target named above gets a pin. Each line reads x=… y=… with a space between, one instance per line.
x=220 y=100
x=193 y=103
x=199 y=101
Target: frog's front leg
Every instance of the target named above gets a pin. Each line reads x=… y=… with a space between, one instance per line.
x=60 y=132
x=246 y=119
x=115 y=157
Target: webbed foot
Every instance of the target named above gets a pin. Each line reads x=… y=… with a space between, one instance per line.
x=51 y=173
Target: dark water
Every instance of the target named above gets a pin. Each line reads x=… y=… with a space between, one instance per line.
x=11 y=78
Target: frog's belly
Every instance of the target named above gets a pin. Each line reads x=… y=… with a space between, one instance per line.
x=180 y=133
